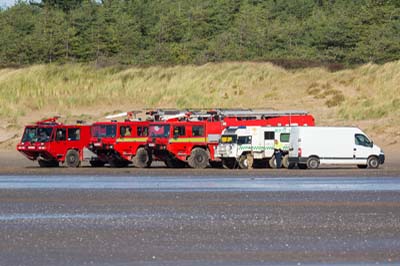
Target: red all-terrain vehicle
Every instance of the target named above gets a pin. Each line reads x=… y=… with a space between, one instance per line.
x=51 y=142
x=122 y=143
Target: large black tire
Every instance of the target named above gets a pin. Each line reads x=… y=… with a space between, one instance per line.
x=44 y=163
x=229 y=163
x=373 y=162
x=313 y=162
x=272 y=162
x=72 y=159
x=362 y=166
x=198 y=158
x=142 y=159
x=243 y=163
x=175 y=163
x=285 y=161
x=97 y=163
x=302 y=165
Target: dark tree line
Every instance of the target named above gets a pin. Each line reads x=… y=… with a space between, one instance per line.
x=200 y=31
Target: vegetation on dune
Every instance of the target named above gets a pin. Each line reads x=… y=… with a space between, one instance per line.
x=368 y=92
x=142 y=32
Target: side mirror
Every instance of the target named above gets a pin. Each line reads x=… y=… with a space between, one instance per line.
x=372 y=144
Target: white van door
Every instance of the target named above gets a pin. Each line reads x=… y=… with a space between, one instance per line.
x=362 y=148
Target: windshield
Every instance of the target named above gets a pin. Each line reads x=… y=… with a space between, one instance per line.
x=228 y=139
x=160 y=131
x=37 y=134
x=104 y=131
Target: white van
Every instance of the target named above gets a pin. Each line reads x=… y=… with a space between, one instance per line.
x=311 y=146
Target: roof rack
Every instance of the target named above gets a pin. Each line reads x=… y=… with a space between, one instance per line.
x=49 y=121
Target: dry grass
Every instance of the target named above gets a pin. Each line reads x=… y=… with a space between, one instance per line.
x=365 y=96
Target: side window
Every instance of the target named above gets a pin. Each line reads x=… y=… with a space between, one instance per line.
x=284 y=137
x=74 y=134
x=179 y=131
x=362 y=140
x=61 y=134
x=197 y=131
x=142 y=131
x=244 y=140
x=269 y=135
x=125 y=131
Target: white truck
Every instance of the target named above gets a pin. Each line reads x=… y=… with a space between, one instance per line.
x=312 y=146
x=238 y=143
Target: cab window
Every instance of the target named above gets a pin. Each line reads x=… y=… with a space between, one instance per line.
x=179 y=131
x=362 y=140
x=198 y=131
x=61 y=134
x=142 y=131
x=125 y=131
x=284 y=137
x=244 y=140
x=74 y=134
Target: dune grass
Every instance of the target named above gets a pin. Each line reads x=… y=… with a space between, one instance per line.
x=369 y=92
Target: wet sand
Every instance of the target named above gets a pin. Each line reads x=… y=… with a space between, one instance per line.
x=14 y=163
x=130 y=227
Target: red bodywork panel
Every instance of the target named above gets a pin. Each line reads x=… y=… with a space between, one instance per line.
x=183 y=136
x=118 y=140
x=50 y=140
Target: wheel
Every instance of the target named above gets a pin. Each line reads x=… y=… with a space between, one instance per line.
x=302 y=165
x=174 y=163
x=285 y=161
x=142 y=159
x=97 y=163
x=272 y=162
x=198 y=158
x=373 y=162
x=72 y=158
x=362 y=166
x=243 y=163
x=44 y=163
x=313 y=163
x=229 y=163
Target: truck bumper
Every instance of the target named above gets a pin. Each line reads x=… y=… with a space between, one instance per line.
x=382 y=158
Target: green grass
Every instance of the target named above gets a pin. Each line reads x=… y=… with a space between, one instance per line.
x=368 y=92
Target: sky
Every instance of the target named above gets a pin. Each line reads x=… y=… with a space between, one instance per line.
x=7 y=3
